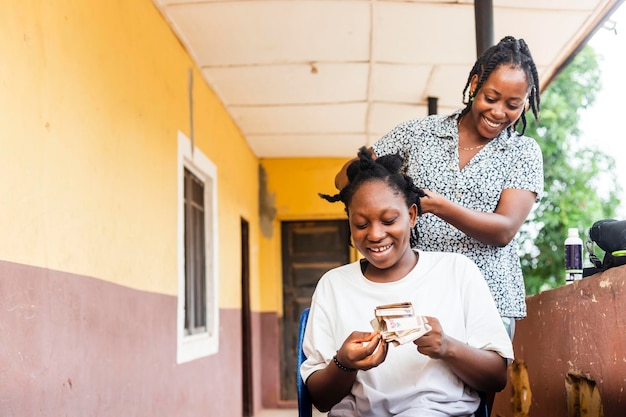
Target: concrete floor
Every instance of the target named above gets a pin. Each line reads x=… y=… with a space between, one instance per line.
x=285 y=412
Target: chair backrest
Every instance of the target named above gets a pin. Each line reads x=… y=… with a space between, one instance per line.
x=305 y=405
x=483 y=410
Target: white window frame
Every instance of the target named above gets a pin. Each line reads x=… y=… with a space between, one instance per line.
x=190 y=347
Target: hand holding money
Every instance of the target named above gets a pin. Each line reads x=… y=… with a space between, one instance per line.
x=398 y=324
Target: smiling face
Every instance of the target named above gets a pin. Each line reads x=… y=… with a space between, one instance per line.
x=500 y=101
x=380 y=224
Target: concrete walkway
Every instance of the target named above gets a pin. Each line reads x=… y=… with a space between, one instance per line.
x=285 y=412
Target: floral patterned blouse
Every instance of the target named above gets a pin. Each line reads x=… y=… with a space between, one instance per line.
x=430 y=148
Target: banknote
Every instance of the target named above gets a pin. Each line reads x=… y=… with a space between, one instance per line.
x=398 y=324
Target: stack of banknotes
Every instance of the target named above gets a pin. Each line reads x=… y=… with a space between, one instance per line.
x=398 y=324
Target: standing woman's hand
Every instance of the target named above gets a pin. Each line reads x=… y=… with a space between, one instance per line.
x=497 y=228
x=432 y=202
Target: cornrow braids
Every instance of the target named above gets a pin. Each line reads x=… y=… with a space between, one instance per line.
x=387 y=168
x=509 y=51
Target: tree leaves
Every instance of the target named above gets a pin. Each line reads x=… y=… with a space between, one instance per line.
x=579 y=188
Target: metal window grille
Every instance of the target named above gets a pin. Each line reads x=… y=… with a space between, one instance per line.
x=195 y=256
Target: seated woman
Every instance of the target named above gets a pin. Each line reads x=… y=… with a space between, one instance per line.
x=352 y=371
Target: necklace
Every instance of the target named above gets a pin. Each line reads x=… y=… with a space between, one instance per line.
x=473 y=147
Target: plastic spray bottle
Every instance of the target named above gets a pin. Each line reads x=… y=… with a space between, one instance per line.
x=573 y=256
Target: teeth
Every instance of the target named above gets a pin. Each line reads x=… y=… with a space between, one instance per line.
x=494 y=125
x=380 y=249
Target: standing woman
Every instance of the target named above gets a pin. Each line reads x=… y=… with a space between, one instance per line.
x=481 y=176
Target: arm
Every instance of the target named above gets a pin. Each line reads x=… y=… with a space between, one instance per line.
x=497 y=228
x=513 y=206
x=360 y=351
x=483 y=370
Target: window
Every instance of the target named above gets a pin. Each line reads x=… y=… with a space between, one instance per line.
x=195 y=259
x=198 y=312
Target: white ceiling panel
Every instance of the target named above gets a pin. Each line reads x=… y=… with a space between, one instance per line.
x=446 y=83
x=273 y=32
x=541 y=5
x=283 y=146
x=399 y=82
x=384 y=116
x=291 y=84
x=331 y=118
x=563 y=24
x=424 y=33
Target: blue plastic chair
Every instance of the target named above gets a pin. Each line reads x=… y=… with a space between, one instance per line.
x=305 y=405
x=483 y=410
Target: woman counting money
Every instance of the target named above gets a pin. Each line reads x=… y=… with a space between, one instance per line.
x=351 y=370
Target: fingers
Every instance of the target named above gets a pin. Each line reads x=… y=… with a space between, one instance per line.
x=362 y=350
x=432 y=321
x=432 y=344
x=372 y=344
x=376 y=354
x=380 y=354
x=361 y=337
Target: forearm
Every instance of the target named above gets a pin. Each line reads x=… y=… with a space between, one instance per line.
x=341 y=179
x=483 y=370
x=490 y=228
x=329 y=386
x=497 y=228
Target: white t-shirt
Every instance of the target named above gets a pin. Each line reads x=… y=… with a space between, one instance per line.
x=447 y=286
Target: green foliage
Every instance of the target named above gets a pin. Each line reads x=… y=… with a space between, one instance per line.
x=579 y=188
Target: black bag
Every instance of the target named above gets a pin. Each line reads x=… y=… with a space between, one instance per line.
x=610 y=236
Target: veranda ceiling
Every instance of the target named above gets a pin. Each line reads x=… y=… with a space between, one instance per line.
x=308 y=78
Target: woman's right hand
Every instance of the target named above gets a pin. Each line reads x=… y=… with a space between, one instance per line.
x=362 y=350
x=432 y=202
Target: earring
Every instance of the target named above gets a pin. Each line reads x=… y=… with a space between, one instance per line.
x=471 y=96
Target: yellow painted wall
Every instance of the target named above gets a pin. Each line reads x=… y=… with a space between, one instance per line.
x=295 y=184
x=298 y=181
x=92 y=95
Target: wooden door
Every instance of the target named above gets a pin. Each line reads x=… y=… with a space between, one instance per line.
x=309 y=249
x=247 y=392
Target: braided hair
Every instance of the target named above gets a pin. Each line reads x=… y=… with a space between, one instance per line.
x=509 y=51
x=387 y=168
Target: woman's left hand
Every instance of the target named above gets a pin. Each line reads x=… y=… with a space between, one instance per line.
x=434 y=343
x=484 y=370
